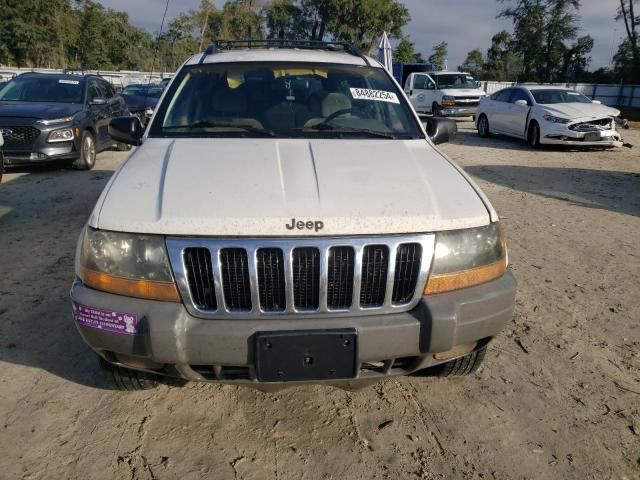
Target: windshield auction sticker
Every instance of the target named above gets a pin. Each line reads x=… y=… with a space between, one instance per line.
x=375 y=95
x=112 y=322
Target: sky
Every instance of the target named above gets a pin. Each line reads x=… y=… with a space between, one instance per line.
x=463 y=24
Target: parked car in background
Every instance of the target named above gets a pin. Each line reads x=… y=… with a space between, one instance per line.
x=58 y=117
x=544 y=115
x=446 y=94
x=285 y=220
x=141 y=99
x=2 y=84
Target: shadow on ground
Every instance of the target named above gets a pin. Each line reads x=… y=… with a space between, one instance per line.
x=603 y=189
x=41 y=215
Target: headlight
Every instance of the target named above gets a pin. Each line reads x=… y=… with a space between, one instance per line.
x=64 y=135
x=448 y=101
x=127 y=264
x=56 y=120
x=464 y=258
x=552 y=119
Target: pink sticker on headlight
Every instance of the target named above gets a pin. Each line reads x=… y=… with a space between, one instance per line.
x=106 y=320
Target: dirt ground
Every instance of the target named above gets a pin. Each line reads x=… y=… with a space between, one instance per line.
x=559 y=395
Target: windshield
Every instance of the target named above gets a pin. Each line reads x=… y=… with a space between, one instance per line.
x=43 y=89
x=290 y=100
x=546 y=97
x=455 y=80
x=152 y=91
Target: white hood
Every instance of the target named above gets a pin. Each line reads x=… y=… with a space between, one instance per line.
x=579 y=111
x=254 y=187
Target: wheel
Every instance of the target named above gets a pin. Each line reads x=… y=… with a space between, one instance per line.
x=533 y=136
x=125 y=379
x=455 y=368
x=87 y=159
x=462 y=366
x=123 y=147
x=483 y=126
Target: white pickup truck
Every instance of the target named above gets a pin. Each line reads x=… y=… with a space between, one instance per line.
x=447 y=94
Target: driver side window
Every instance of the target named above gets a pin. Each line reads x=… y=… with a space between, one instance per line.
x=421 y=82
x=94 y=90
x=520 y=95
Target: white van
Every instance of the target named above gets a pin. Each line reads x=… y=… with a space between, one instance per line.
x=447 y=94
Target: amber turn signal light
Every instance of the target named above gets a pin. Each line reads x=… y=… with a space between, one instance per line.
x=163 y=291
x=467 y=278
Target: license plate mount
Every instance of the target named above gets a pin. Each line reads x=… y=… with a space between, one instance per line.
x=592 y=137
x=293 y=356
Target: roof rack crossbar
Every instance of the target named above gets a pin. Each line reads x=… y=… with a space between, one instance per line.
x=218 y=45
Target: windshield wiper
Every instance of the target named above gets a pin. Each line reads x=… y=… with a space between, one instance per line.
x=209 y=124
x=323 y=127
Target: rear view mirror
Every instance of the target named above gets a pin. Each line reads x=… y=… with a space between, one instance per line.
x=127 y=130
x=441 y=130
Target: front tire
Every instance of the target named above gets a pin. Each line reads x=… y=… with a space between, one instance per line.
x=483 y=126
x=533 y=136
x=125 y=379
x=87 y=158
x=462 y=366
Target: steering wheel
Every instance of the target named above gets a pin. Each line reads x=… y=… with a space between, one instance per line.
x=344 y=111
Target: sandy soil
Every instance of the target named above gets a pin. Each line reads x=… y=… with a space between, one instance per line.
x=559 y=396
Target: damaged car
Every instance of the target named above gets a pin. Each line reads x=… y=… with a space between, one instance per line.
x=549 y=115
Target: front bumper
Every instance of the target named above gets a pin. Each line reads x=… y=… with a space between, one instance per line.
x=172 y=342
x=565 y=136
x=459 y=111
x=40 y=150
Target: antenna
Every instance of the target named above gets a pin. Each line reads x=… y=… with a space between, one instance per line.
x=155 y=54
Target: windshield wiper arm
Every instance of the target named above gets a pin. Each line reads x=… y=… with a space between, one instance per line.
x=373 y=133
x=209 y=124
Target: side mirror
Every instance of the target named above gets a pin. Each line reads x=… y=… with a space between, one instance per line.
x=98 y=101
x=479 y=84
x=127 y=130
x=522 y=103
x=431 y=86
x=597 y=102
x=441 y=130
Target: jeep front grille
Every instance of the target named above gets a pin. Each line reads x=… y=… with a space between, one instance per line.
x=323 y=276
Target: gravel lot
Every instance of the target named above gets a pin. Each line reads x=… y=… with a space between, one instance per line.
x=559 y=396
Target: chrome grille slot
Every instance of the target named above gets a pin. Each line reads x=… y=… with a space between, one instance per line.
x=340 y=278
x=407 y=270
x=306 y=278
x=252 y=278
x=200 y=277
x=271 y=284
x=375 y=265
x=234 y=265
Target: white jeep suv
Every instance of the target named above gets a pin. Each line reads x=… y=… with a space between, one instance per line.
x=284 y=220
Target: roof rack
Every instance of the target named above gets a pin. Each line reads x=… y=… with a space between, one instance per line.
x=218 y=45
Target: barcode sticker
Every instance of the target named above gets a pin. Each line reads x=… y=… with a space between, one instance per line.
x=375 y=95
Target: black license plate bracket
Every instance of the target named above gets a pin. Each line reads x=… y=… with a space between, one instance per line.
x=300 y=355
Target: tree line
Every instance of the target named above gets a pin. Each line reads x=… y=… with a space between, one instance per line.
x=543 y=46
x=84 y=34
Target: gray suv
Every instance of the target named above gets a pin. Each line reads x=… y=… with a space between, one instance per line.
x=58 y=117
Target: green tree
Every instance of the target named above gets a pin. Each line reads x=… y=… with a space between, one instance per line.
x=285 y=20
x=629 y=50
x=439 y=55
x=474 y=64
x=541 y=30
x=405 y=52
